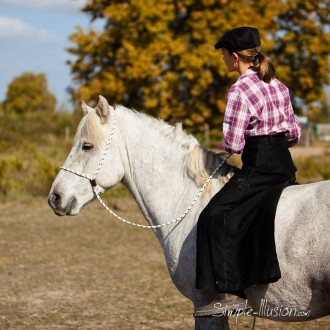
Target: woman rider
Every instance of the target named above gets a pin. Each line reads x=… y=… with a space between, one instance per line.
x=235 y=232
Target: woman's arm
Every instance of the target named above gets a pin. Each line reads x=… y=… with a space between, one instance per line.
x=236 y=120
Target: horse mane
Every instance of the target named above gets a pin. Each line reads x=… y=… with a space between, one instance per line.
x=199 y=163
x=173 y=133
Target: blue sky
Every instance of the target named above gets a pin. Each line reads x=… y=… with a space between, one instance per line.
x=33 y=37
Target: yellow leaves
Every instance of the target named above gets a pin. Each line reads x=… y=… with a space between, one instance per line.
x=170 y=77
x=117 y=11
x=29 y=93
x=138 y=62
x=158 y=55
x=221 y=105
x=309 y=5
x=306 y=82
x=284 y=71
x=151 y=103
x=212 y=2
x=205 y=78
x=177 y=46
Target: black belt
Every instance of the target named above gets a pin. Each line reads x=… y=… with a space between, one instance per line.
x=266 y=138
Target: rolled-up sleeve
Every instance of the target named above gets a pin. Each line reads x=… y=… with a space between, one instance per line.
x=294 y=130
x=236 y=120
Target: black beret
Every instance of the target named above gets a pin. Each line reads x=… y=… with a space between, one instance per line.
x=240 y=38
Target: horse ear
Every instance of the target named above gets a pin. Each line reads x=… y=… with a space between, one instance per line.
x=84 y=107
x=102 y=108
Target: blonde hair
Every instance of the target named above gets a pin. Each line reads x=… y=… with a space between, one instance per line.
x=261 y=64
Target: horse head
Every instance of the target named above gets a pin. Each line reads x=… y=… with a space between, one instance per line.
x=85 y=165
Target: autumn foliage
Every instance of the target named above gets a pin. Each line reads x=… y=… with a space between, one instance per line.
x=28 y=93
x=158 y=57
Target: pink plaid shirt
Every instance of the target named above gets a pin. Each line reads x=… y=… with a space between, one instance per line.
x=256 y=108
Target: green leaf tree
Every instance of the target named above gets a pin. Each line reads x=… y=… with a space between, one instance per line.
x=158 y=55
x=28 y=93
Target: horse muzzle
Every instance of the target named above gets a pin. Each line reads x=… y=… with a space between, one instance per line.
x=61 y=207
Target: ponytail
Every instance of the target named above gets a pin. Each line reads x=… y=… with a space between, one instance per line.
x=261 y=64
x=265 y=68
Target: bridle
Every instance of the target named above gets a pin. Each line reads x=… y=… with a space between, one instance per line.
x=92 y=179
x=98 y=190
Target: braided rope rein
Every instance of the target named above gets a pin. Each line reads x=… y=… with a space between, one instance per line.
x=97 y=190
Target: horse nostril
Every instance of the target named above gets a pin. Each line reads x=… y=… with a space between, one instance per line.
x=54 y=200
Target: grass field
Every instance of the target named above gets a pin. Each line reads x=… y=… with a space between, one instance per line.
x=91 y=272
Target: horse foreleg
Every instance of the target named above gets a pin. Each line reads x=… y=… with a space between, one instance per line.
x=212 y=323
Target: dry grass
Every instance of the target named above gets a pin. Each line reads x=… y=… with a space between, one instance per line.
x=91 y=272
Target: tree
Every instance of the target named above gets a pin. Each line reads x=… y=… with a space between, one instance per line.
x=28 y=93
x=158 y=56
x=302 y=48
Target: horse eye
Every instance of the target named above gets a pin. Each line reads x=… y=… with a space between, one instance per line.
x=87 y=146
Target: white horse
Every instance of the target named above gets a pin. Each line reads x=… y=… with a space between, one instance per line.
x=163 y=168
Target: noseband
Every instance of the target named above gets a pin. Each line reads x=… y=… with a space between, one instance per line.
x=97 y=189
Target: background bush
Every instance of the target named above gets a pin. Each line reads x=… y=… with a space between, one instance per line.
x=33 y=148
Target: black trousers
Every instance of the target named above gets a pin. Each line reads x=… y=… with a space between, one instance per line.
x=235 y=231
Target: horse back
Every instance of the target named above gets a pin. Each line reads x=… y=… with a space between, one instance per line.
x=302 y=229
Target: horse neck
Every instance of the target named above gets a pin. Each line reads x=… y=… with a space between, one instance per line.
x=154 y=157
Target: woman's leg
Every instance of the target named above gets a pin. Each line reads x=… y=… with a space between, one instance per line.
x=211 y=221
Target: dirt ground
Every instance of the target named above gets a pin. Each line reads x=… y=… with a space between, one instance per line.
x=91 y=272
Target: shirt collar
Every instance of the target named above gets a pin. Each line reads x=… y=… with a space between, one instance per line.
x=247 y=73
